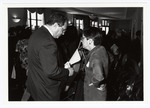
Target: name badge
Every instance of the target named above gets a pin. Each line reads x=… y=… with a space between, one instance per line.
x=87 y=65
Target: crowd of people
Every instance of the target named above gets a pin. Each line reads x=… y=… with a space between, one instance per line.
x=110 y=68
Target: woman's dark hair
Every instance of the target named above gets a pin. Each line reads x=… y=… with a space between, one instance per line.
x=95 y=34
x=57 y=17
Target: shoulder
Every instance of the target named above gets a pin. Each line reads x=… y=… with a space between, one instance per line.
x=99 y=51
x=42 y=38
x=100 y=54
x=41 y=32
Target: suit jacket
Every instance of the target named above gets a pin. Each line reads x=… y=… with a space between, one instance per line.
x=45 y=75
x=96 y=70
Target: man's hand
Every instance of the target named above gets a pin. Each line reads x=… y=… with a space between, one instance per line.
x=67 y=65
x=71 y=71
x=67 y=87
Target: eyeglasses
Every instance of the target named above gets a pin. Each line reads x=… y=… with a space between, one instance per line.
x=61 y=26
x=63 y=30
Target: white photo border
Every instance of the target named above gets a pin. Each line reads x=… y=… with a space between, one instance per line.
x=4 y=57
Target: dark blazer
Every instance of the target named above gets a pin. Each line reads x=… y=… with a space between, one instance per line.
x=96 y=70
x=45 y=75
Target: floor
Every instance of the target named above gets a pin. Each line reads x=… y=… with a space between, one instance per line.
x=15 y=91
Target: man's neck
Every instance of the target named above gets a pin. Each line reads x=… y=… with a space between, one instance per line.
x=49 y=29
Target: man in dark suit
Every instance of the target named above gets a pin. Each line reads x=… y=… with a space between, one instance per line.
x=45 y=74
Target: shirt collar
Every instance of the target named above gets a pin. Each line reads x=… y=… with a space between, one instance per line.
x=48 y=30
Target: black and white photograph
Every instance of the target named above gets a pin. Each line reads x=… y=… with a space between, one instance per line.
x=116 y=67
x=75 y=53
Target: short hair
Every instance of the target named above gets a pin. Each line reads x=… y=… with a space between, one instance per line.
x=95 y=34
x=57 y=17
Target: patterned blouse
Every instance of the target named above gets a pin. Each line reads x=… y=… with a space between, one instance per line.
x=21 y=47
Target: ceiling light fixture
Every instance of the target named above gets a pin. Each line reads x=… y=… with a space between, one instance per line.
x=16 y=19
x=92 y=16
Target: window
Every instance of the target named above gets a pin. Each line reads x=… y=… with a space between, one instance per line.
x=104 y=25
x=34 y=20
x=79 y=23
x=94 y=23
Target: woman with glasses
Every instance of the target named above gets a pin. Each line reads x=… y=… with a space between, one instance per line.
x=96 y=68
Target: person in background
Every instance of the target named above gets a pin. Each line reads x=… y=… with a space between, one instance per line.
x=136 y=47
x=12 y=40
x=22 y=55
x=45 y=73
x=115 y=58
x=67 y=46
x=96 y=68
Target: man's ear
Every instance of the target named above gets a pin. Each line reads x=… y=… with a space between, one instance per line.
x=90 y=41
x=55 y=25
